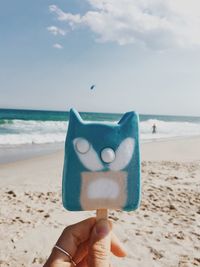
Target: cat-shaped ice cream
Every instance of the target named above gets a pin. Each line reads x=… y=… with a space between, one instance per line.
x=102 y=164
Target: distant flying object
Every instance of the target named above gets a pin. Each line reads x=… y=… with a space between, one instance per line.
x=92 y=87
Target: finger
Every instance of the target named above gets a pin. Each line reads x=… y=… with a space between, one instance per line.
x=81 y=252
x=116 y=246
x=58 y=264
x=117 y=249
x=71 y=238
x=75 y=234
x=83 y=263
x=100 y=245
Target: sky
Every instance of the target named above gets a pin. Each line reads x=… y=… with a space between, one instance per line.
x=142 y=55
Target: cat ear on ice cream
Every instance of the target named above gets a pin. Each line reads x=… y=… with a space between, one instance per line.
x=75 y=117
x=128 y=119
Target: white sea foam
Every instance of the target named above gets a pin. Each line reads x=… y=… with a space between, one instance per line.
x=32 y=132
x=40 y=132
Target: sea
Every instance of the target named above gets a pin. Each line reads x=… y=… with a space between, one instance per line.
x=24 y=133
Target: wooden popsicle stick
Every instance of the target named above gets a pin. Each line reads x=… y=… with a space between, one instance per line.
x=101 y=214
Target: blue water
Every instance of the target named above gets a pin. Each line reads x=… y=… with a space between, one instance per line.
x=21 y=127
x=45 y=115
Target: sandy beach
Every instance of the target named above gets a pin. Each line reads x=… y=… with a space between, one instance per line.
x=163 y=232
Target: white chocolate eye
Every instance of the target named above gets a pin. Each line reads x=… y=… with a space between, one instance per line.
x=124 y=154
x=87 y=155
x=108 y=155
x=82 y=145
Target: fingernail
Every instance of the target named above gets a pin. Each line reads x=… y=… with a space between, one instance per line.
x=102 y=228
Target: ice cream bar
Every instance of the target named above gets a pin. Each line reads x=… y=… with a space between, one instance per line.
x=101 y=164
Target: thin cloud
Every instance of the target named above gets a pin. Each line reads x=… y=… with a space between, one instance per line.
x=58 y=46
x=62 y=16
x=154 y=23
x=56 y=31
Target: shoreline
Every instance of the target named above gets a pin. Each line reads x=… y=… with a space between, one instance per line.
x=176 y=148
x=11 y=154
x=174 y=138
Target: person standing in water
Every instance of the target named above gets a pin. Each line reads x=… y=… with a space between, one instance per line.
x=154 y=129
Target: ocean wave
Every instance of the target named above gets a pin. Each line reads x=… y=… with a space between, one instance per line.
x=18 y=132
x=168 y=129
x=3 y=122
x=16 y=139
x=32 y=132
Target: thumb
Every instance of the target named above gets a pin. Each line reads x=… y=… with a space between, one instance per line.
x=99 y=245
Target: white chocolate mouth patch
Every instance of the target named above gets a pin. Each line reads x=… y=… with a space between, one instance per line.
x=103 y=190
